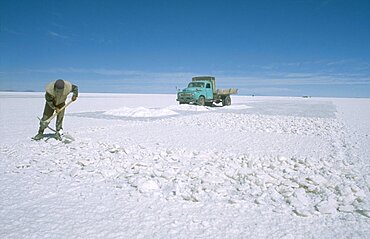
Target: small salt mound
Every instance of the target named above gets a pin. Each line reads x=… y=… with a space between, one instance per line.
x=190 y=108
x=140 y=112
x=237 y=107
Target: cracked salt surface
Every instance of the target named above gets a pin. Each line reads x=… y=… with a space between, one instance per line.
x=207 y=172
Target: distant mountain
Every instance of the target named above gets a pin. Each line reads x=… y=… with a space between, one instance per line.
x=18 y=91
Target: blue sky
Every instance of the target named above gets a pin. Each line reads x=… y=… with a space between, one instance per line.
x=285 y=47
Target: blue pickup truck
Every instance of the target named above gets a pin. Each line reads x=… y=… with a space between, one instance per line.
x=202 y=91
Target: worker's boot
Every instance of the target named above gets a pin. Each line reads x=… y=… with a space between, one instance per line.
x=58 y=135
x=39 y=135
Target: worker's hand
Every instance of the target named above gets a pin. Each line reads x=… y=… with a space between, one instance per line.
x=74 y=98
x=57 y=110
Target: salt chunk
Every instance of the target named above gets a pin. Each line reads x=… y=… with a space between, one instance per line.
x=285 y=191
x=327 y=207
x=365 y=213
x=348 y=199
x=148 y=186
x=73 y=173
x=294 y=185
x=300 y=194
x=360 y=194
x=229 y=173
x=346 y=208
x=282 y=158
x=302 y=212
x=83 y=162
x=355 y=188
x=318 y=179
x=212 y=179
x=346 y=191
x=367 y=180
x=186 y=196
x=259 y=201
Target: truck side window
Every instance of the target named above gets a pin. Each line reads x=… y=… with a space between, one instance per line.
x=208 y=86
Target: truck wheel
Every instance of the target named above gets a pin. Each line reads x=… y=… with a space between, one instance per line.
x=226 y=101
x=201 y=101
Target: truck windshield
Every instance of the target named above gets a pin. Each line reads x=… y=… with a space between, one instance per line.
x=196 y=84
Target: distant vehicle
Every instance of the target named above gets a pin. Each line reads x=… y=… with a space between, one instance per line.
x=202 y=91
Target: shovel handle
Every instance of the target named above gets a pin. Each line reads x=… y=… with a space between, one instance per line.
x=55 y=114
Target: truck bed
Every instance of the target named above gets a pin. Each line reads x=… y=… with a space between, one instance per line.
x=229 y=91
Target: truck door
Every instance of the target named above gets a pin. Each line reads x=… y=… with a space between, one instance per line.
x=209 y=92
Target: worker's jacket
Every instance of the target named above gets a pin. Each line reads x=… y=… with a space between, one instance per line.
x=54 y=99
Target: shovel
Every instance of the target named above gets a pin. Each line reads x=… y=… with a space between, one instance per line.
x=46 y=123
